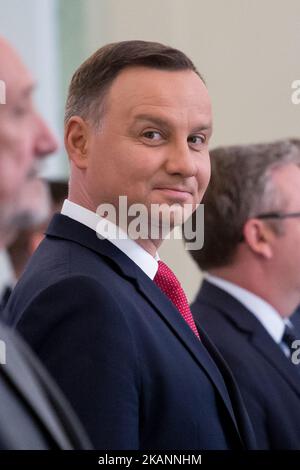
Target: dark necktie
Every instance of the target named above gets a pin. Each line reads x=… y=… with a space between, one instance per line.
x=166 y=280
x=289 y=336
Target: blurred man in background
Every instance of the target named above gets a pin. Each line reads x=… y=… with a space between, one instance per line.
x=25 y=138
x=33 y=413
x=25 y=141
x=33 y=213
x=43 y=200
x=251 y=259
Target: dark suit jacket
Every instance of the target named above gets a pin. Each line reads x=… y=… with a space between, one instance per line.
x=295 y=318
x=269 y=382
x=132 y=368
x=33 y=413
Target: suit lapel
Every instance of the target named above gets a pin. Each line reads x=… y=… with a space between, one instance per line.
x=198 y=349
x=273 y=354
x=65 y=227
x=246 y=322
x=244 y=426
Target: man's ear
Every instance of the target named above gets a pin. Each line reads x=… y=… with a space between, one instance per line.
x=76 y=141
x=259 y=236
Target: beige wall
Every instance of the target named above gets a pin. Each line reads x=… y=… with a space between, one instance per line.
x=248 y=51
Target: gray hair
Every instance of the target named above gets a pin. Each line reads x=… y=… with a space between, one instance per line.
x=241 y=187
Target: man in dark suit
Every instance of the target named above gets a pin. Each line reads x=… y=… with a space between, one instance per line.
x=125 y=349
x=251 y=260
x=33 y=413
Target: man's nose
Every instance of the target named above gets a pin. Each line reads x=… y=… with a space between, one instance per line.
x=182 y=160
x=45 y=141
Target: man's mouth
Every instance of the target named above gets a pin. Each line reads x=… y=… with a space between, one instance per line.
x=175 y=192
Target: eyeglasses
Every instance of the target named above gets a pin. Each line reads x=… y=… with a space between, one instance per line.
x=274 y=215
x=277 y=215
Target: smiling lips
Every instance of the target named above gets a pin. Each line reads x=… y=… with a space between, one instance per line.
x=175 y=193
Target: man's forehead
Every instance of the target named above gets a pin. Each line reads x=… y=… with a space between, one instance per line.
x=144 y=87
x=287 y=179
x=13 y=72
x=291 y=169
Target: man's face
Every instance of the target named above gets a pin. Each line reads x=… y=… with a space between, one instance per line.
x=152 y=144
x=24 y=137
x=286 y=259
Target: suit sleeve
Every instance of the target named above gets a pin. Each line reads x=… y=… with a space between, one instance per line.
x=83 y=337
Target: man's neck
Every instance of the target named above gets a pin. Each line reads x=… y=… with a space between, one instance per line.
x=151 y=246
x=148 y=244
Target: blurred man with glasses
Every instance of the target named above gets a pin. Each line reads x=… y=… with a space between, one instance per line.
x=251 y=264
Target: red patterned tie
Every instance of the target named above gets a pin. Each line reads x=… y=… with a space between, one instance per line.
x=166 y=280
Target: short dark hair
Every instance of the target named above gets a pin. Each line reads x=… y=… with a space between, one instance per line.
x=93 y=78
x=241 y=187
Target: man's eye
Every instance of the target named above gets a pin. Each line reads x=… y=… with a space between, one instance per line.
x=152 y=135
x=196 y=139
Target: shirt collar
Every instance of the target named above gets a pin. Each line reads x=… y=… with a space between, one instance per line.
x=262 y=310
x=103 y=227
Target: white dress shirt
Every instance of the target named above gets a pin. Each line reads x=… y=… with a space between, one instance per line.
x=104 y=227
x=262 y=310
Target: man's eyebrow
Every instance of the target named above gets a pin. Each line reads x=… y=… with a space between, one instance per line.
x=204 y=127
x=163 y=122
x=153 y=119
